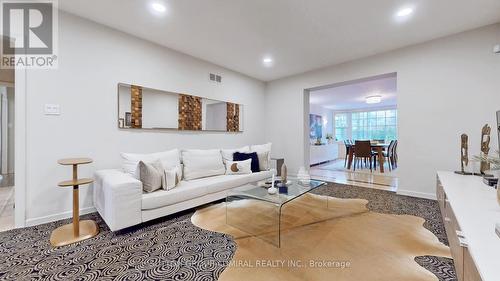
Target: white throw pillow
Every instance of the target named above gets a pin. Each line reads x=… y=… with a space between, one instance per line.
x=150 y=174
x=202 y=163
x=171 y=177
x=264 y=164
x=239 y=167
x=227 y=154
x=168 y=159
x=261 y=154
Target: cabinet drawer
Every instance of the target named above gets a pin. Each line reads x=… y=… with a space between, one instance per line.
x=457 y=251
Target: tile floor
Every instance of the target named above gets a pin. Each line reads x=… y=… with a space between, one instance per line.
x=7 y=180
x=6 y=208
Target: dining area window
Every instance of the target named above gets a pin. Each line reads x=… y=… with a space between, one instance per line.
x=341 y=126
x=366 y=125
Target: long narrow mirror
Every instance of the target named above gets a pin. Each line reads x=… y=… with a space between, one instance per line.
x=145 y=108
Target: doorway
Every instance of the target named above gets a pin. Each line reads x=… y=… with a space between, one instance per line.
x=361 y=113
x=7 y=149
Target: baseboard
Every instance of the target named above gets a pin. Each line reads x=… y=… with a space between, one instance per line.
x=60 y=216
x=430 y=196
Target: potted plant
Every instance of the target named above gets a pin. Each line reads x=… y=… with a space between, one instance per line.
x=329 y=138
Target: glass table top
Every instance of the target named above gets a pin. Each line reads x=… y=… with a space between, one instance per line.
x=257 y=190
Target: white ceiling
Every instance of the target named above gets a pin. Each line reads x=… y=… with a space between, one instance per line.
x=300 y=35
x=352 y=96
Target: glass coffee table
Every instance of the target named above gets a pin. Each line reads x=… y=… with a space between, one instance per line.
x=254 y=211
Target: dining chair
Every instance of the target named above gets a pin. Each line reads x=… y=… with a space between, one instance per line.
x=348 y=146
x=363 y=152
x=395 y=153
x=389 y=154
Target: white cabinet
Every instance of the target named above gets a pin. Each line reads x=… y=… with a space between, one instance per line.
x=470 y=211
x=323 y=153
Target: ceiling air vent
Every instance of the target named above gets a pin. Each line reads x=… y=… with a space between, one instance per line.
x=215 y=78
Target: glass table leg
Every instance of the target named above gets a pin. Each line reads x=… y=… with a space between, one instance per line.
x=256 y=218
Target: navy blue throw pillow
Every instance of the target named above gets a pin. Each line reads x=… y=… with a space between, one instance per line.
x=239 y=156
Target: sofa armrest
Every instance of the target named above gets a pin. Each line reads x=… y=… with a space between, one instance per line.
x=118 y=198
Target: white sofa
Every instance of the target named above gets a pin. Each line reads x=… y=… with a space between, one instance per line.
x=121 y=202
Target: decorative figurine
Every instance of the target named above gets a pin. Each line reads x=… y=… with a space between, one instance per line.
x=272 y=190
x=282 y=187
x=284 y=173
x=485 y=149
x=464 y=159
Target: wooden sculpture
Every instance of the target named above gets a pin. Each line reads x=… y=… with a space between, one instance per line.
x=284 y=173
x=485 y=149
x=464 y=157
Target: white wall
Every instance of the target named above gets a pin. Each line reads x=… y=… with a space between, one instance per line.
x=446 y=87
x=93 y=60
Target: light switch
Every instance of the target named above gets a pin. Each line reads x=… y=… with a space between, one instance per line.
x=52 y=109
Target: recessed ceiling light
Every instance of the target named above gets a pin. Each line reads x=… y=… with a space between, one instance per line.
x=267 y=61
x=373 y=99
x=159 y=7
x=404 y=12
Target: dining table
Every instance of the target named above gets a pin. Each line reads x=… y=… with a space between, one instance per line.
x=378 y=147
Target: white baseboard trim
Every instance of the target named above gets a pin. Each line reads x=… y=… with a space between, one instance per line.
x=60 y=216
x=417 y=194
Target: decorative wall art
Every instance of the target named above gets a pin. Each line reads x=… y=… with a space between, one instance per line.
x=315 y=126
x=190 y=113
x=233 y=117
x=146 y=108
x=136 y=107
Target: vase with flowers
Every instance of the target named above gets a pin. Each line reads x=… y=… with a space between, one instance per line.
x=329 y=138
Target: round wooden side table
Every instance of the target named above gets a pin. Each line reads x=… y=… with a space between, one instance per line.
x=78 y=230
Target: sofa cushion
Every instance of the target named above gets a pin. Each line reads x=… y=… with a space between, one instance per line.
x=171 y=177
x=239 y=156
x=186 y=190
x=255 y=177
x=168 y=159
x=227 y=154
x=151 y=176
x=220 y=183
x=238 y=167
x=261 y=151
x=264 y=159
x=202 y=163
